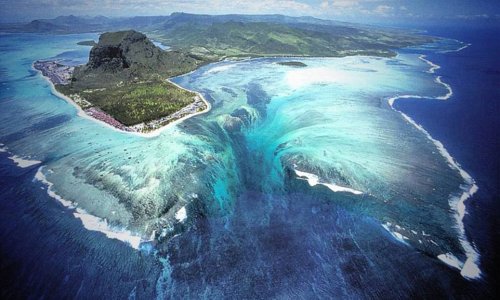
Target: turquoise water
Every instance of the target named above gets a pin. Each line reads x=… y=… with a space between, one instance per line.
x=331 y=119
x=237 y=168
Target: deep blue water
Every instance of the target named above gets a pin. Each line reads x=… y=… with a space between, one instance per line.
x=305 y=243
x=469 y=125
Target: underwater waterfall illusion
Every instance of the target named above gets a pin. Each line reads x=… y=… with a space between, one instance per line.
x=282 y=147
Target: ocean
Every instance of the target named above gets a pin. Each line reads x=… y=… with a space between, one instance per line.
x=468 y=125
x=299 y=183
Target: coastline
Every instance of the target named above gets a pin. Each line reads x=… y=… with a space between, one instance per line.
x=469 y=268
x=150 y=134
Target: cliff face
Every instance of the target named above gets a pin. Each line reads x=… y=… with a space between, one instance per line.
x=121 y=56
x=122 y=50
x=126 y=56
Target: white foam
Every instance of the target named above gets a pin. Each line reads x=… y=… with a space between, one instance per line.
x=91 y=222
x=462 y=48
x=338 y=188
x=94 y=223
x=41 y=177
x=438 y=80
x=457 y=50
x=181 y=214
x=19 y=161
x=447 y=86
x=313 y=180
x=471 y=269
x=433 y=68
x=457 y=204
x=23 y=163
x=451 y=260
x=219 y=69
x=398 y=236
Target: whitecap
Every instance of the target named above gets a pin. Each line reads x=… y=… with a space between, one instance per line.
x=433 y=68
x=313 y=180
x=19 y=161
x=91 y=222
x=94 y=223
x=470 y=268
x=398 y=236
x=451 y=260
x=24 y=163
x=181 y=214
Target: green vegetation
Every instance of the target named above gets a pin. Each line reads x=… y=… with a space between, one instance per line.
x=270 y=39
x=293 y=64
x=87 y=43
x=207 y=38
x=135 y=103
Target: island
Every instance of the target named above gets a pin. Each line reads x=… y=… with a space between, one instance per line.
x=297 y=64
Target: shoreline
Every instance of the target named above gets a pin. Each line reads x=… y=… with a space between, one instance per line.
x=469 y=268
x=153 y=133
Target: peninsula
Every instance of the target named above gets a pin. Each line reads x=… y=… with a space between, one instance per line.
x=125 y=83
